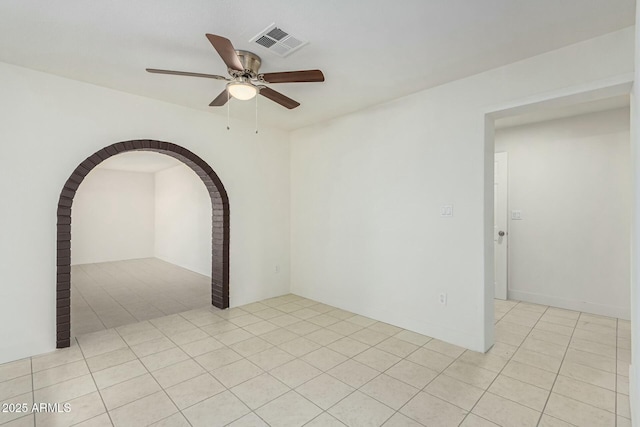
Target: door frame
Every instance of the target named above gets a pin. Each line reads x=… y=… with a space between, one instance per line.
x=502 y=292
x=592 y=91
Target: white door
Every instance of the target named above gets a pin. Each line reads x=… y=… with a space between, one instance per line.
x=500 y=212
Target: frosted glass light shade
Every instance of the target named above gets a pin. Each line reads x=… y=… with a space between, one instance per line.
x=242 y=91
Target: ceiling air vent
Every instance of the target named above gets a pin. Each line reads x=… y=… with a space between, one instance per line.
x=277 y=41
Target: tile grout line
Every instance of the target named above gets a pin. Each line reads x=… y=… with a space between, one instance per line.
x=532 y=329
x=33 y=391
x=326 y=372
x=291 y=389
x=132 y=378
x=118 y=302
x=95 y=383
x=593 y=354
x=326 y=346
x=499 y=373
x=352 y=358
x=295 y=357
x=87 y=302
x=321 y=371
x=377 y=376
x=508 y=360
x=195 y=361
x=559 y=369
x=372 y=379
x=155 y=380
x=422 y=390
x=615 y=403
x=372 y=346
x=242 y=358
x=580 y=364
x=156 y=307
x=595 y=368
x=501 y=370
x=96 y=282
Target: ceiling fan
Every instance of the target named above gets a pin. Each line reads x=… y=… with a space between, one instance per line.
x=245 y=81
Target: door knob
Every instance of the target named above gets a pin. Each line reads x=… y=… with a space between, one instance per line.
x=500 y=233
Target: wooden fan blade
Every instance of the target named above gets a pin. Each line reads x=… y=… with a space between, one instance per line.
x=226 y=51
x=220 y=99
x=279 y=98
x=185 y=73
x=294 y=76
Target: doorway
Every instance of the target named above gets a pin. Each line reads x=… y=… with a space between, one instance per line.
x=598 y=90
x=219 y=221
x=569 y=207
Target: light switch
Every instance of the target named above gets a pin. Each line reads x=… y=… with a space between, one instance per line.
x=446 y=211
x=516 y=215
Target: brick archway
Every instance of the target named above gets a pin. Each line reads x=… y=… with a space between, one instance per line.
x=220 y=226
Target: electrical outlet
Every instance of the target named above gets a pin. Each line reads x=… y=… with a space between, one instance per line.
x=446 y=211
x=516 y=215
x=442 y=299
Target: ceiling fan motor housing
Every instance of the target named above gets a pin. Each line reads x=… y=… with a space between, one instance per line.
x=250 y=62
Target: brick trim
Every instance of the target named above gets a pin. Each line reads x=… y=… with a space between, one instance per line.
x=219 y=225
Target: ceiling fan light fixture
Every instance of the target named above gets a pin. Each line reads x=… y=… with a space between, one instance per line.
x=242 y=91
x=243 y=68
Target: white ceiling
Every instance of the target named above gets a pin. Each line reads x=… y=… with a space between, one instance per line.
x=548 y=113
x=370 y=51
x=139 y=161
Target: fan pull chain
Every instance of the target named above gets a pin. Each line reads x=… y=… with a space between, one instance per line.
x=228 y=108
x=256 y=114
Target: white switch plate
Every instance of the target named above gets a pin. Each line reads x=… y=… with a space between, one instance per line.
x=442 y=299
x=516 y=215
x=446 y=211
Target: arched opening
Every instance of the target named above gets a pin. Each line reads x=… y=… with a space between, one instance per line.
x=219 y=226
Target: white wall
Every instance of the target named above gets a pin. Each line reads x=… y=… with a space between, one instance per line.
x=366 y=191
x=113 y=217
x=51 y=124
x=183 y=219
x=119 y=215
x=571 y=178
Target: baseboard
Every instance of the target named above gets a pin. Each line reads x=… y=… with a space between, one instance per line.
x=634 y=397
x=587 y=307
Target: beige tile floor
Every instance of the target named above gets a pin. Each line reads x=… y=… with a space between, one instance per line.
x=290 y=361
x=111 y=294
